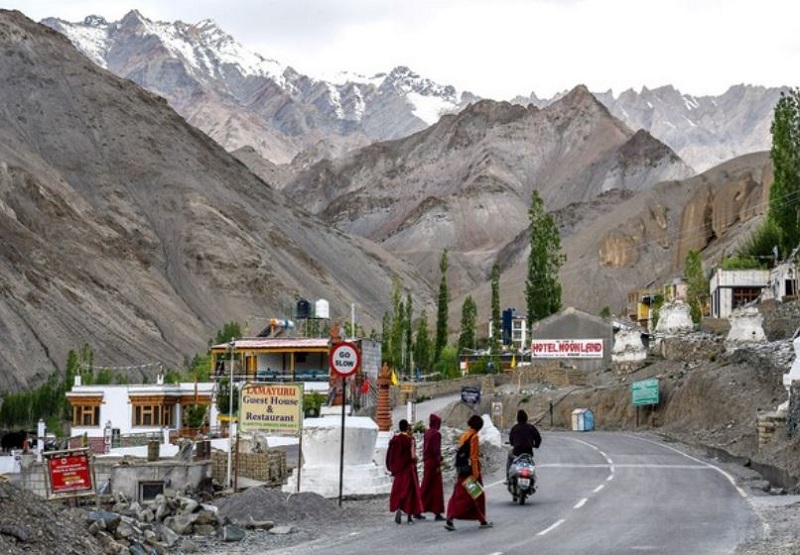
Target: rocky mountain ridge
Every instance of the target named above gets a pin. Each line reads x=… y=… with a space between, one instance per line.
x=241 y=98
x=125 y=228
x=465 y=183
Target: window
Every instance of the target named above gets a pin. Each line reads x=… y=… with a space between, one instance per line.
x=150 y=490
x=744 y=295
x=85 y=415
x=149 y=412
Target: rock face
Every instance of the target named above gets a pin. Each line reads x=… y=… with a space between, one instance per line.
x=465 y=183
x=125 y=228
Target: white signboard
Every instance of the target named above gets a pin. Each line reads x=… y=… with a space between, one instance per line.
x=567 y=348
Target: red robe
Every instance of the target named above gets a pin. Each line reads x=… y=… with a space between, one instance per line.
x=461 y=505
x=401 y=462
x=432 y=487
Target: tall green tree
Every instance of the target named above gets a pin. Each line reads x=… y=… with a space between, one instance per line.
x=697 y=284
x=784 y=195
x=422 y=344
x=397 y=342
x=469 y=315
x=230 y=330
x=386 y=336
x=441 y=311
x=494 y=340
x=408 y=335
x=542 y=288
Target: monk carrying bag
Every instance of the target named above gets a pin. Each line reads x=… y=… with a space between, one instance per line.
x=463 y=463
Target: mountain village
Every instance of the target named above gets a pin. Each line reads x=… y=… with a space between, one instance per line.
x=303 y=229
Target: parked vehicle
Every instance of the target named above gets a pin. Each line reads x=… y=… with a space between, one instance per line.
x=522 y=478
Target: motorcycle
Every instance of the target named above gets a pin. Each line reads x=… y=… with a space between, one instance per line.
x=522 y=478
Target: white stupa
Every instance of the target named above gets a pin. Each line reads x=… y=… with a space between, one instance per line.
x=628 y=346
x=793 y=374
x=322 y=452
x=746 y=327
x=674 y=317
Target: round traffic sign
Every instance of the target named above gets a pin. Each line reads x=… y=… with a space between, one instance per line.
x=344 y=359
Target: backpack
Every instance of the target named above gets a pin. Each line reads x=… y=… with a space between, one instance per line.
x=463 y=462
x=391 y=455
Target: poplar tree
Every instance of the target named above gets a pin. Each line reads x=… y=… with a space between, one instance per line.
x=784 y=195
x=697 y=284
x=542 y=288
x=494 y=340
x=422 y=344
x=441 y=312
x=408 y=334
x=469 y=315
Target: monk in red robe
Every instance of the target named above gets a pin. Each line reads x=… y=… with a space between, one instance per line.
x=432 y=487
x=401 y=461
x=462 y=505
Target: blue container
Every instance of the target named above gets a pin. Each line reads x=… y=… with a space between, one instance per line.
x=582 y=420
x=588 y=421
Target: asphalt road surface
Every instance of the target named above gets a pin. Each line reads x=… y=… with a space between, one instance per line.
x=599 y=493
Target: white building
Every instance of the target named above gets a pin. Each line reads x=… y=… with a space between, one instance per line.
x=143 y=408
x=732 y=289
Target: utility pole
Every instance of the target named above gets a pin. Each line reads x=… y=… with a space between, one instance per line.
x=229 y=483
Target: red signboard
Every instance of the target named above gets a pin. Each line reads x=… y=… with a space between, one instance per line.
x=567 y=348
x=69 y=472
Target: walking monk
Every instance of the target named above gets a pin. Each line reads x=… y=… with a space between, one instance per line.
x=401 y=461
x=432 y=488
x=461 y=504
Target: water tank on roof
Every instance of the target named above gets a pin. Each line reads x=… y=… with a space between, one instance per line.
x=322 y=309
x=303 y=309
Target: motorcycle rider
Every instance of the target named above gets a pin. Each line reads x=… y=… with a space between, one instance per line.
x=524 y=438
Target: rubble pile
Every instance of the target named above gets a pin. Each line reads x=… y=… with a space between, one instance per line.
x=33 y=526
x=165 y=524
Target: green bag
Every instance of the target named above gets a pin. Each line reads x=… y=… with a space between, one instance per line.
x=473 y=487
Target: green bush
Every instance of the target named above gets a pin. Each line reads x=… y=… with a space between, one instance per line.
x=312 y=404
x=743 y=263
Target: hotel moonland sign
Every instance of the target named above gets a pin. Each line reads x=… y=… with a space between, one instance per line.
x=567 y=348
x=275 y=408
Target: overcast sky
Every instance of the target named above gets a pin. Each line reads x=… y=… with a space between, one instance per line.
x=502 y=48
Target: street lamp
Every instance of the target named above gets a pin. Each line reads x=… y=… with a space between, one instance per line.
x=232 y=346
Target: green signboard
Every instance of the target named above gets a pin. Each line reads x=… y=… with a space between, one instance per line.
x=645 y=392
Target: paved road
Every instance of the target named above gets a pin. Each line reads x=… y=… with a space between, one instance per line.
x=600 y=493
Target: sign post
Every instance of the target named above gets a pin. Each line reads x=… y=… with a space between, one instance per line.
x=643 y=393
x=344 y=360
x=69 y=473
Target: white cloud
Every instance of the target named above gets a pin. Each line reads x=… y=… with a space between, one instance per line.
x=501 y=48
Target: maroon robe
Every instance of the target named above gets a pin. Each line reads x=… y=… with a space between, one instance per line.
x=461 y=505
x=432 y=487
x=401 y=462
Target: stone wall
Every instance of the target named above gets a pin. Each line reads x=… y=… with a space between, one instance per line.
x=690 y=347
x=269 y=467
x=551 y=372
x=793 y=414
x=769 y=426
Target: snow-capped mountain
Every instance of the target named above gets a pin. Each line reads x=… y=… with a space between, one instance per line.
x=241 y=98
